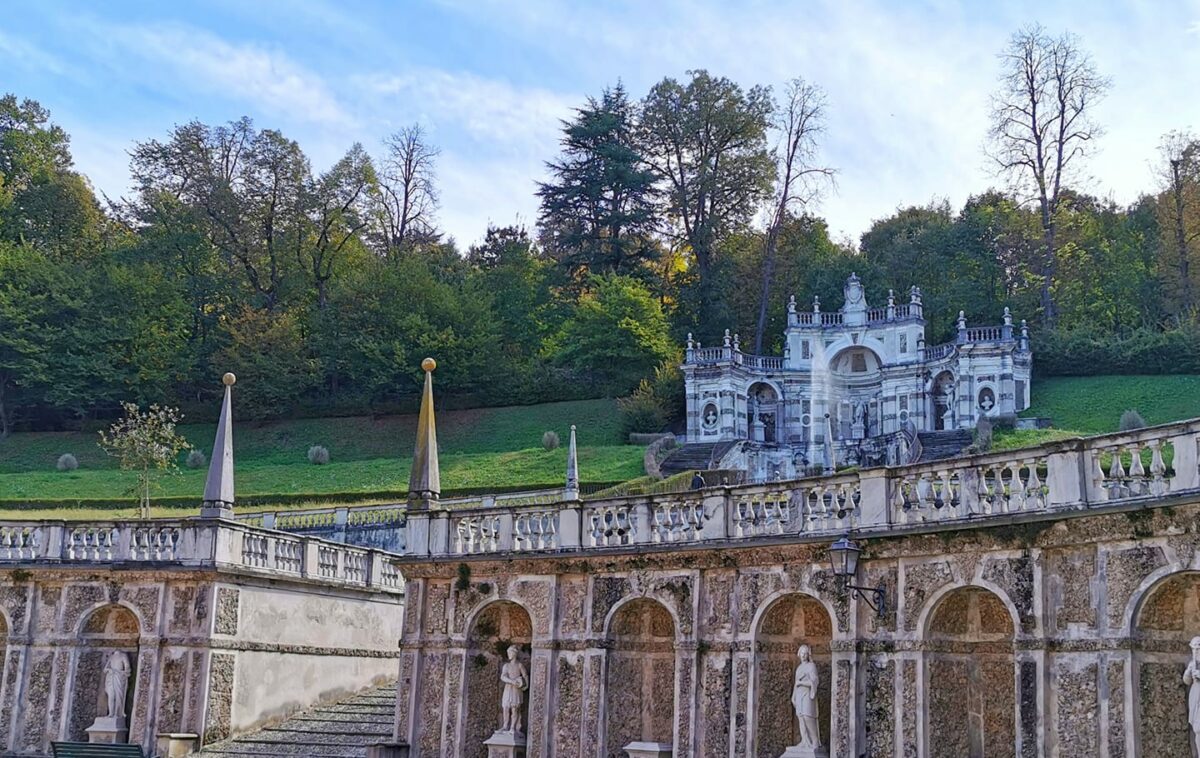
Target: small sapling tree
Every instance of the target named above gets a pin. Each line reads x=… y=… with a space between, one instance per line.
x=146 y=443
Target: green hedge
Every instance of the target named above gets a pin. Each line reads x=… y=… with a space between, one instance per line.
x=1142 y=351
x=263 y=502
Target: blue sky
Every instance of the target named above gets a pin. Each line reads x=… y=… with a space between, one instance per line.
x=907 y=83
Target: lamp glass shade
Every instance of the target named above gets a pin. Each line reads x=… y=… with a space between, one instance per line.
x=843 y=557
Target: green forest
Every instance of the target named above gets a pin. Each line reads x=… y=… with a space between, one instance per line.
x=689 y=209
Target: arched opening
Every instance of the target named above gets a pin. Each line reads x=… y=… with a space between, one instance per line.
x=106 y=630
x=496 y=628
x=763 y=412
x=942 y=391
x=791 y=621
x=971 y=677
x=639 y=689
x=1166 y=622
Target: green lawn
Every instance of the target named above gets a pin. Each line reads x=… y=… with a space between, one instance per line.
x=1086 y=405
x=486 y=448
x=496 y=448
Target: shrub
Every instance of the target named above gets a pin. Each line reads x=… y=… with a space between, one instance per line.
x=67 y=462
x=318 y=455
x=550 y=440
x=1131 y=420
x=642 y=412
x=195 y=459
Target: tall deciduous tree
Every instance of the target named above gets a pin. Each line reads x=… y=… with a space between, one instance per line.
x=597 y=212
x=1042 y=125
x=1179 y=214
x=707 y=142
x=799 y=179
x=406 y=197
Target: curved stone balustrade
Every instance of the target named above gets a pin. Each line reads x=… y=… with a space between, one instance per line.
x=1124 y=468
x=198 y=543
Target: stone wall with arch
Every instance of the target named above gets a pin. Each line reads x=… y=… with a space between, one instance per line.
x=1166 y=620
x=103 y=631
x=496 y=627
x=970 y=676
x=1064 y=637
x=640 y=680
x=791 y=620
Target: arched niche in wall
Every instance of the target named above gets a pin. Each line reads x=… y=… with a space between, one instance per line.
x=790 y=621
x=1166 y=622
x=639 y=691
x=107 y=629
x=495 y=628
x=970 y=677
x=764 y=412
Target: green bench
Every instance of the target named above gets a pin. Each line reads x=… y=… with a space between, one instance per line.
x=95 y=750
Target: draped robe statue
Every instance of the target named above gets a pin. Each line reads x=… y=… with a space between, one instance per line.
x=1191 y=677
x=116 y=682
x=515 y=680
x=804 y=698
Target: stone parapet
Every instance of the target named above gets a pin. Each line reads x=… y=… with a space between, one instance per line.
x=218 y=544
x=1108 y=472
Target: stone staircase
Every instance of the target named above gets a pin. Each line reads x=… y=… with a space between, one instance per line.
x=339 y=730
x=936 y=446
x=695 y=456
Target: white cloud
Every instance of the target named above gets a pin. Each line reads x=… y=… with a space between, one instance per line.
x=21 y=53
x=255 y=74
x=489 y=110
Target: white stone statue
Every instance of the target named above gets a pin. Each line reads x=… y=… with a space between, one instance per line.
x=116 y=682
x=1191 y=677
x=515 y=680
x=804 y=698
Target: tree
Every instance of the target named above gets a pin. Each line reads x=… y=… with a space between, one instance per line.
x=335 y=212
x=146 y=443
x=798 y=179
x=598 y=212
x=1041 y=125
x=707 y=142
x=248 y=188
x=406 y=196
x=1179 y=213
x=616 y=336
x=25 y=344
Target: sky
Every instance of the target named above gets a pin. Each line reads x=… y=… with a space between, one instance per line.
x=907 y=83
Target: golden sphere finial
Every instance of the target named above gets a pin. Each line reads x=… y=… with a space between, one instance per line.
x=229 y=379
x=429 y=364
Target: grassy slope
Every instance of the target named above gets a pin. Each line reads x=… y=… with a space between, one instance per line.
x=497 y=447
x=1093 y=405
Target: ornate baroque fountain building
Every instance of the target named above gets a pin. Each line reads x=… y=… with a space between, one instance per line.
x=848 y=386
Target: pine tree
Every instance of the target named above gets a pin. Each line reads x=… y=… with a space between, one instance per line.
x=597 y=213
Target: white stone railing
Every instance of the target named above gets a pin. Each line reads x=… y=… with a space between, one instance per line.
x=1132 y=469
x=196 y=543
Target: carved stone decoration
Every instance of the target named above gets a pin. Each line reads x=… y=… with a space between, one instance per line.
x=112 y=727
x=509 y=740
x=804 y=702
x=515 y=679
x=1191 y=677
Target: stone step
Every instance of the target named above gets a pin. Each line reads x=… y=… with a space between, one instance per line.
x=338 y=730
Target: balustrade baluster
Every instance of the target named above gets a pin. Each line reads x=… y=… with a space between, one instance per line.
x=1158 y=469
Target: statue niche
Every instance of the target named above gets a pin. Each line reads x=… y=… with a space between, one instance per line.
x=1164 y=629
x=788 y=682
x=499 y=634
x=105 y=675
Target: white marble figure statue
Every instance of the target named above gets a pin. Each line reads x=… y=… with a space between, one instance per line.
x=1191 y=677
x=804 y=698
x=515 y=680
x=116 y=681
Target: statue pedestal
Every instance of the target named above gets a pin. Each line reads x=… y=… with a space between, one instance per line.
x=505 y=745
x=805 y=751
x=648 y=750
x=108 y=730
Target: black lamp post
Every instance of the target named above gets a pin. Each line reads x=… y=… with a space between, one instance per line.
x=843 y=557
